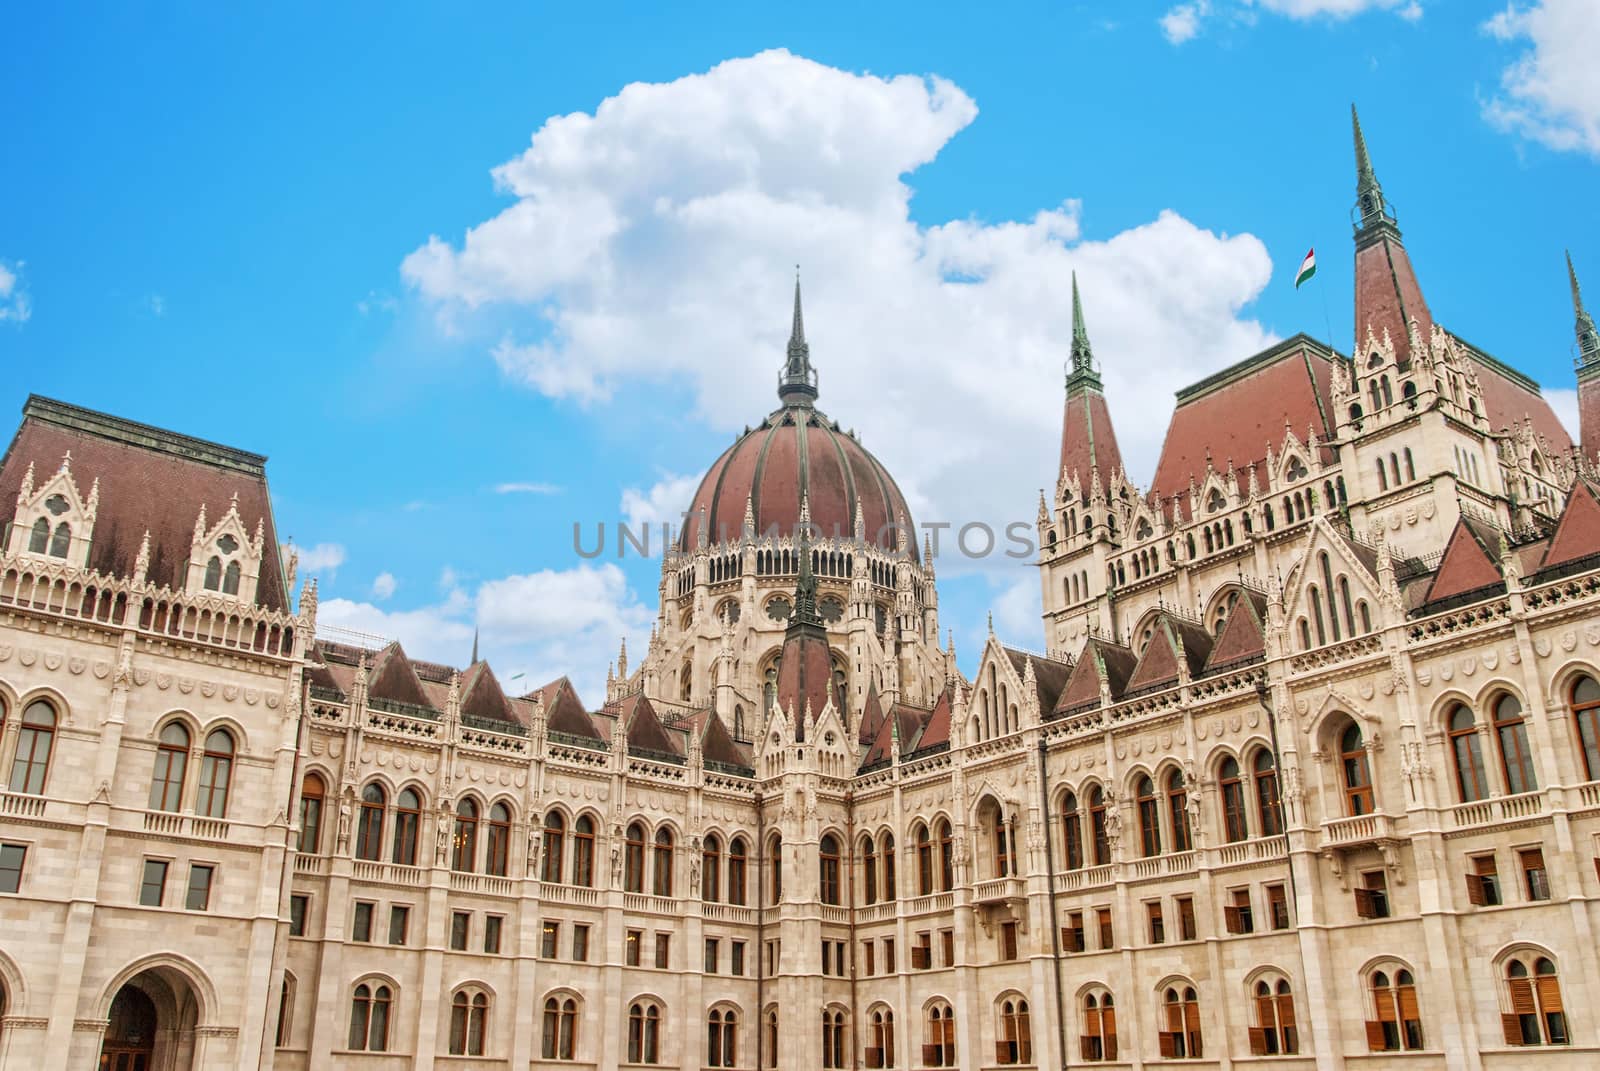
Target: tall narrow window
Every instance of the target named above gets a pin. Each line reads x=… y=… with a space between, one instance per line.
x=775 y=858
x=1002 y=853
x=1015 y=1042
x=1356 y=773
x=1275 y=1033
x=940 y=1048
x=946 y=845
x=216 y=773
x=1586 y=719
x=737 y=858
x=832 y=1038
x=464 y=848
x=407 y=821
x=172 y=757
x=1517 y=760
x=924 y=845
x=555 y=845
x=469 y=1013
x=497 y=850
x=1537 y=1015
x=39 y=537
x=30 y=766
x=633 y=859
x=644 y=1033
x=869 y=871
x=583 y=851
x=721 y=1038
x=213 y=577
x=711 y=868
x=312 y=793
x=1235 y=825
x=369 y=1018
x=369 y=826
x=1471 y=782
x=828 y=869
x=1144 y=792
x=1097 y=826
x=1398 y=1026
x=890 y=889
x=1181 y=1039
x=1178 y=811
x=1072 y=831
x=560 y=1040
x=662 y=875
x=1098 y=1041
x=1269 y=807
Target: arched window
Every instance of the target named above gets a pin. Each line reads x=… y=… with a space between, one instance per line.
x=869 y=871
x=1014 y=1043
x=662 y=869
x=947 y=861
x=939 y=1050
x=39 y=537
x=775 y=859
x=1099 y=1038
x=880 y=1042
x=737 y=856
x=832 y=1038
x=1181 y=1039
x=711 y=869
x=1072 y=831
x=924 y=845
x=1357 y=774
x=722 y=1049
x=469 y=1014
x=216 y=773
x=230 y=579
x=560 y=1041
x=30 y=766
x=213 y=577
x=1511 y=729
x=890 y=889
x=633 y=859
x=1144 y=793
x=770 y=1029
x=369 y=826
x=1411 y=469
x=644 y=1033
x=1178 y=810
x=828 y=869
x=1471 y=781
x=285 y=1011
x=1586 y=719
x=497 y=851
x=1235 y=824
x=407 y=825
x=312 y=793
x=369 y=1017
x=1383 y=476
x=583 y=851
x=1268 y=806
x=1397 y=1026
x=172 y=758
x=464 y=852
x=1275 y=1032
x=1536 y=1015
x=1097 y=826
x=555 y=847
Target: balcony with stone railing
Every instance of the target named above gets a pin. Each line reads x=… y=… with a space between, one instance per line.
x=1357 y=830
x=998 y=890
x=1497 y=810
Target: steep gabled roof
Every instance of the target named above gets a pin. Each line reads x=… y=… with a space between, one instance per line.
x=1577 y=533
x=564 y=712
x=1049 y=675
x=909 y=721
x=392 y=677
x=1158 y=666
x=936 y=730
x=1244 y=635
x=643 y=728
x=1468 y=563
x=718 y=745
x=871 y=716
x=1101 y=661
x=482 y=697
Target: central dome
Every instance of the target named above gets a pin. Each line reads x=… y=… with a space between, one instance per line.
x=797 y=455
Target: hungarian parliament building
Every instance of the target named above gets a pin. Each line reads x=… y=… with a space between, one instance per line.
x=1305 y=774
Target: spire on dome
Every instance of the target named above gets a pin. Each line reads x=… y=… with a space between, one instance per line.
x=797 y=385
x=1081 y=369
x=1088 y=441
x=1588 y=335
x=1369 y=194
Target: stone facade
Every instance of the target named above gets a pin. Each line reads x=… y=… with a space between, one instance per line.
x=1309 y=776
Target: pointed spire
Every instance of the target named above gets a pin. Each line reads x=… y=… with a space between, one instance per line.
x=798 y=383
x=1369 y=195
x=1588 y=335
x=474 y=648
x=1080 y=369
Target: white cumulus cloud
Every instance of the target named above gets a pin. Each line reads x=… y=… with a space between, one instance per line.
x=1551 y=92
x=661 y=503
x=1182 y=23
x=15 y=305
x=383 y=586
x=320 y=559
x=653 y=241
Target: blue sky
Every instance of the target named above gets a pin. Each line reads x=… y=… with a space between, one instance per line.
x=254 y=228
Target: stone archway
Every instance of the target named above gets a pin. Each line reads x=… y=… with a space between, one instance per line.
x=151 y=1025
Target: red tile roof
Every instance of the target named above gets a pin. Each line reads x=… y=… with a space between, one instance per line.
x=1467 y=564
x=1577 y=533
x=1049 y=675
x=1101 y=661
x=391 y=677
x=1088 y=440
x=1158 y=666
x=1243 y=635
x=805 y=675
x=482 y=697
x=1388 y=295
x=564 y=711
x=149 y=479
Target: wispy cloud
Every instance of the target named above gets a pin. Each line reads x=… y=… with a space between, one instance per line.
x=15 y=304
x=1185 y=21
x=1182 y=23
x=1551 y=92
x=383 y=586
x=526 y=488
x=324 y=558
x=377 y=301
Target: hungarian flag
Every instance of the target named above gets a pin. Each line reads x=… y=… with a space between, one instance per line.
x=1308 y=268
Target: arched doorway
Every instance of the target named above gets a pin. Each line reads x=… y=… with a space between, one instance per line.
x=151 y=1023
x=130 y=1040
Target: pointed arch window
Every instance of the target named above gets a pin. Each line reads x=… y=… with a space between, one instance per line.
x=662 y=870
x=560 y=1041
x=1537 y=1015
x=832 y=1038
x=469 y=1016
x=1181 y=1039
x=946 y=842
x=722 y=1038
x=1235 y=824
x=583 y=851
x=1071 y=832
x=172 y=758
x=1144 y=793
x=775 y=860
x=555 y=846
x=924 y=860
x=890 y=889
x=1098 y=1041
x=407 y=824
x=828 y=869
x=370 y=1006
x=1178 y=811
x=313 y=791
x=1472 y=783
x=61 y=541
x=464 y=850
x=39 y=537
x=1097 y=826
x=880 y=1045
x=644 y=1033
x=1268 y=806
x=711 y=869
x=737 y=858
x=213 y=577
x=939 y=1050
x=497 y=850
x=1398 y=1023
x=1275 y=1032
x=1516 y=759
x=633 y=859
x=216 y=774
x=1586 y=720
x=230 y=579
x=869 y=871
x=1355 y=771
x=1015 y=1042
x=369 y=825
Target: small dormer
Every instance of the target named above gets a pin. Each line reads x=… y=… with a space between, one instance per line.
x=53 y=520
x=225 y=559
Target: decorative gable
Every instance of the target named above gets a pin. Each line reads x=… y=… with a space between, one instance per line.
x=53 y=520
x=1333 y=590
x=225 y=559
x=1466 y=566
x=1577 y=534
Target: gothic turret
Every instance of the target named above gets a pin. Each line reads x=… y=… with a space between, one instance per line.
x=1587 y=358
x=797 y=385
x=1088 y=441
x=1388 y=299
x=805 y=667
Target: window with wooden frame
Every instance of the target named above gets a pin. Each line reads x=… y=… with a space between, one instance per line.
x=833 y=1045
x=550 y=939
x=1149 y=811
x=869 y=958
x=1516 y=758
x=1103 y=919
x=1072 y=934
x=1181 y=1040
x=828 y=869
x=1177 y=811
x=1277 y=907
x=1097 y=826
x=1008 y=941
x=1268 y=806
x=1472 y=783
x=1483 y=881
x=1014 y=1043
x=1372 y=898
x=1237 y=916
x=947 y=939
x=922 y=951
x=560 y=1038
x=630 y=947
x=1355 y=771
x=1535 y=879
x=1098 y=1041
x=1275 y=1032
x=1235 y=823
x=633 y=859
x=1187 y=929
x=1398 y=1024
x=924 y=851
x=880 y=1047
x=939 y=1048
x=1157 y=927
x=555 y=838
x=1585 y=698
x=1072 y=832
x=1536 y=1014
